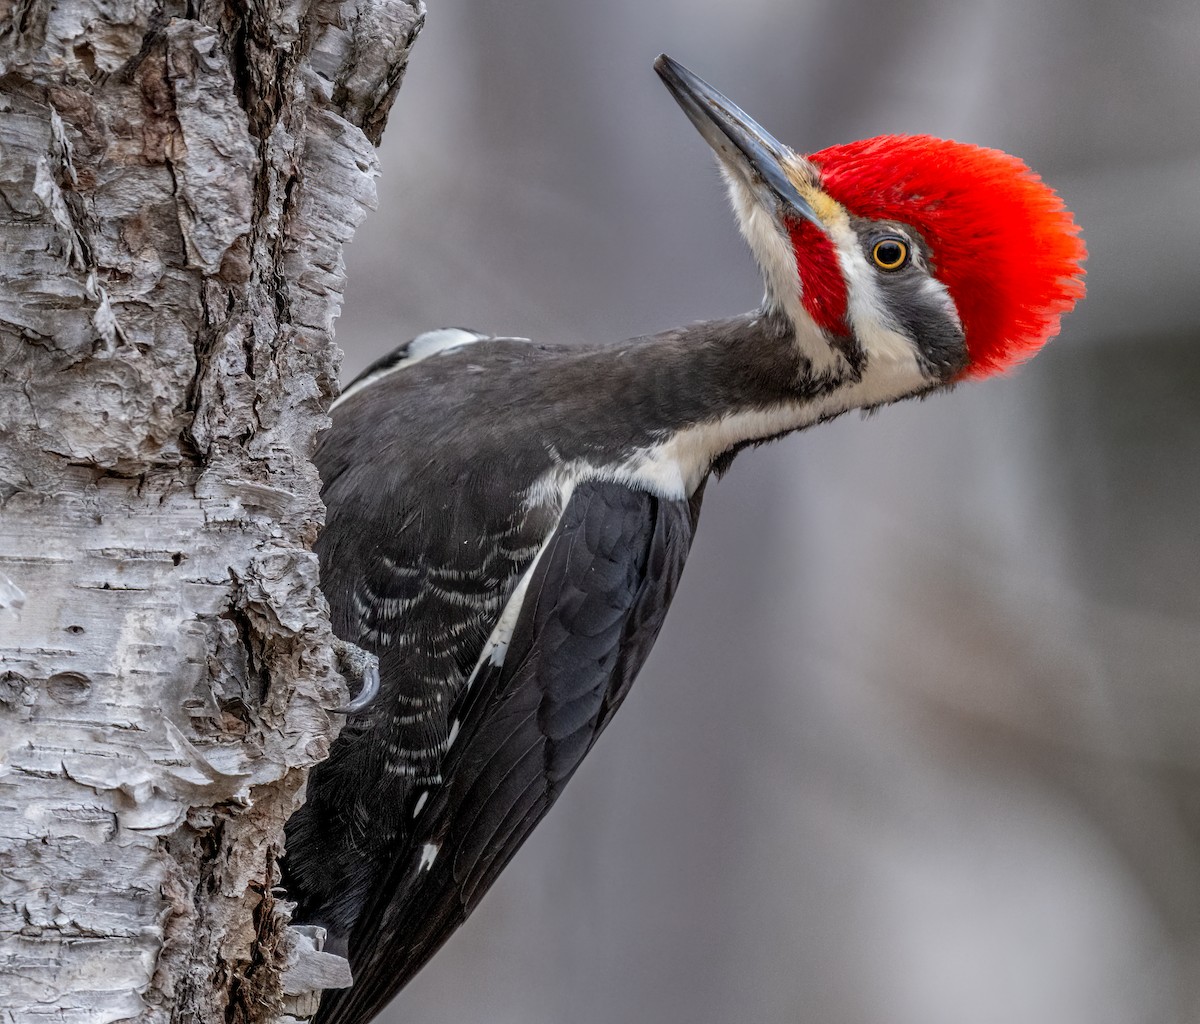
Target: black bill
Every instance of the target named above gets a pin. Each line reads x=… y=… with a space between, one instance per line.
x=739 y=140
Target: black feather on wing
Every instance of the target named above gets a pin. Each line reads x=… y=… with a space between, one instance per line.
x=416 y=567
x=594 y=605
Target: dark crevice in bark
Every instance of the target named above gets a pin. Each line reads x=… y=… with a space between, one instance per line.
x=153 y=38
x=258 y=982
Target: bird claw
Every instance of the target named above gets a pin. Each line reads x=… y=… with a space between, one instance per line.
x=355 y=663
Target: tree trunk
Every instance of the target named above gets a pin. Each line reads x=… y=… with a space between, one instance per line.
x=177 y=181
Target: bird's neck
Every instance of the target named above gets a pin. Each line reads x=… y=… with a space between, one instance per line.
x=691 y=397
x=718 y=367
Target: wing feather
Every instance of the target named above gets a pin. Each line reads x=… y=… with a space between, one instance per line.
x=595 y=602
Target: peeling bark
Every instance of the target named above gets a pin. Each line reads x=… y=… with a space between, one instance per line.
x=177 y=181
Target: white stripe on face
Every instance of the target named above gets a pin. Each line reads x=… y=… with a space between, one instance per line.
x=877 y=334
x=881 y=336
x=772 y=250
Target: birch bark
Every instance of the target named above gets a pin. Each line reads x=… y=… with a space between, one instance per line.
x=177 y=180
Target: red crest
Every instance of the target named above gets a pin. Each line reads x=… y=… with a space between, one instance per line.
x=1002 y=241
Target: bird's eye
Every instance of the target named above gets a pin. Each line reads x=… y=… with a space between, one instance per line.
x=890 y=253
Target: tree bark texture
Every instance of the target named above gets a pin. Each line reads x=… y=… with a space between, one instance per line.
x=177 y=181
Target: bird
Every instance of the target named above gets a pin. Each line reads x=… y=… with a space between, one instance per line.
x=507 y=521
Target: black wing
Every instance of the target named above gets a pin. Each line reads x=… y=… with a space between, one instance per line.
x=593 y=606
x=418 y=556
x=425 y=605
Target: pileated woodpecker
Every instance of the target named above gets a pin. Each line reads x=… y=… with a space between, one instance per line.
x=508 y=521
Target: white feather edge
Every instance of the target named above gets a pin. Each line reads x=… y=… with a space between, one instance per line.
x=431 y=343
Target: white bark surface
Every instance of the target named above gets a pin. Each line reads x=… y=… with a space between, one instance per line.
x=177 y=182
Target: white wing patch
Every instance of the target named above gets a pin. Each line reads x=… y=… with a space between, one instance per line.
x=442 y=340
x=556 y=486
x=429 y=854
x=497 y=643
x=431 y=343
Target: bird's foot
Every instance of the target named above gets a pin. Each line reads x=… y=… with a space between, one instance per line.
x=356 y=664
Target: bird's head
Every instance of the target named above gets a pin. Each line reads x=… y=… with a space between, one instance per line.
x=911 y=258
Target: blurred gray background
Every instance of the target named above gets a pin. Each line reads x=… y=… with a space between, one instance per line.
x=920 y=743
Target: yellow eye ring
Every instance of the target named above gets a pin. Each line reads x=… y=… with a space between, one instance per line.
x=890 y=253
